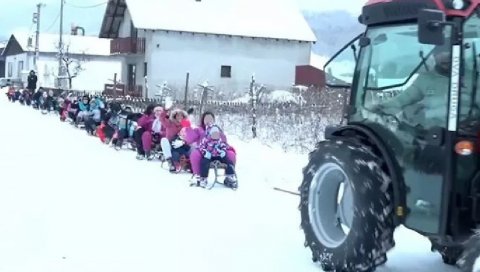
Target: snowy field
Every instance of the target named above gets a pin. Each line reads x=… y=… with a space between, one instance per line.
x=69 y=203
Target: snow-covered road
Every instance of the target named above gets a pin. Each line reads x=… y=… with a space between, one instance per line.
x=69 y=203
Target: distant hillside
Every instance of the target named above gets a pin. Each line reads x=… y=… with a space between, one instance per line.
x=333 y=30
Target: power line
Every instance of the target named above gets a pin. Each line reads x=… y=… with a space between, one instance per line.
x=53 y=23
x=92 y=6
x=31 y=27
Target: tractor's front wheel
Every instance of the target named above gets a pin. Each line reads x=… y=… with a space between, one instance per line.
x=346 y=207
x=450 y=255
x=470 y=259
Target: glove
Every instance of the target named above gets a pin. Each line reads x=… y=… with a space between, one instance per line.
x=222 y=153
x=178 y=143
x=207 y=155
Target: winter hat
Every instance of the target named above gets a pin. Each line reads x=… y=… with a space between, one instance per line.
x=185 y=123
x=214 y=132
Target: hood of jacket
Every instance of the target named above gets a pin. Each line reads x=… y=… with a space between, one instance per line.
x=174 y=113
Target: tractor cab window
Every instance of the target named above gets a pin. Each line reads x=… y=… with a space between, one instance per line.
x=403 y=80
x=470 y=102
x=339 y=70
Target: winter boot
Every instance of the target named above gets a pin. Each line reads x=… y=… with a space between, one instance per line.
x=171 y=165
x=231 y=181
x=148 y=155
x=178 y=167
x=140 y=157
x=193 y=180
x=202 y=182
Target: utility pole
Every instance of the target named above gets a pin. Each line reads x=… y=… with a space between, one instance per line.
x=60 y=47
x=36 y=20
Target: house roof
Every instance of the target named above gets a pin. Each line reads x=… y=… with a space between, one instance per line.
x=3 y=45
x=89 y=45
x=277 y=19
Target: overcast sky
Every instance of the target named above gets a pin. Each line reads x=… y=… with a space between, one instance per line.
x=17 y=15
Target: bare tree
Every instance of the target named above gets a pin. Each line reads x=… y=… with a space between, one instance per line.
x=256 y=93
x=163 y=92
x=205 y=90
x=72 y=65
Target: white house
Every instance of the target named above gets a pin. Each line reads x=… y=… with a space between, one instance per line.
x=89 y=56
x=222 y=42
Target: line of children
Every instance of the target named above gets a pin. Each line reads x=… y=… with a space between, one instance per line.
x=169 y=129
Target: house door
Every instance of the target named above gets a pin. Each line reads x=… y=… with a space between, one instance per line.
x=131 y=77
x=20 y=69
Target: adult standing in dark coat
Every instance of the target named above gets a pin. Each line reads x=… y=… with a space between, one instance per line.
x=32 y=81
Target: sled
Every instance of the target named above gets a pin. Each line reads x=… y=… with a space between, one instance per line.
x=216 y=166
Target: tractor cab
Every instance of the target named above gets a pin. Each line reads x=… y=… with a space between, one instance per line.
x=414 y=110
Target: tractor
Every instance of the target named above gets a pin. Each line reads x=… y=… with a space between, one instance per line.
x=409 y=151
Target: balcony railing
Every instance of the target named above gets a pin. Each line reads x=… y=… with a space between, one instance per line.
x=127 y=46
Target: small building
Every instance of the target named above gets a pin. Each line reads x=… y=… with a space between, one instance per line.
x=88 y=58
x=222 y=42
x=311 y=74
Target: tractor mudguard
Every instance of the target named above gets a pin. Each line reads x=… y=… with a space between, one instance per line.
x=366 y=136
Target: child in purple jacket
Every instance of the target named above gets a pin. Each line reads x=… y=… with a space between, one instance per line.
x=214 y=148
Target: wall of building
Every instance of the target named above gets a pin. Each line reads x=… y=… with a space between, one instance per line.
x=17 y=66
x=124 y=30
x=96 y=70
x=139 y=62
x=172 y=54
x=95 y=73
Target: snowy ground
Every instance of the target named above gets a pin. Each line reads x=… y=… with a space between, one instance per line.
x=69 y=203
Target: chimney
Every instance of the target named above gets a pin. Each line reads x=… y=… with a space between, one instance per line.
x=74 y=30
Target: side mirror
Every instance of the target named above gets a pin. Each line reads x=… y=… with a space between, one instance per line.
x=430 y=26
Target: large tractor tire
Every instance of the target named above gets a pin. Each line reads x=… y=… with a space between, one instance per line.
x=470 y=259
x=450 y=255
x=352 y=232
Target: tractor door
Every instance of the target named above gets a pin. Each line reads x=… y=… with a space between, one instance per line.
x=400 y=90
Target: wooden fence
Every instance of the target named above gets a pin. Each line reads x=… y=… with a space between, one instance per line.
x=291 y=126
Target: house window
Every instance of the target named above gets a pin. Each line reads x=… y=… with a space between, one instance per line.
x=10 y=69
x=226 y=71
x=20 y=69
x=145 y=67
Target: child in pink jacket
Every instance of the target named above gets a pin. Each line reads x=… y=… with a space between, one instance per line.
x=194 y=137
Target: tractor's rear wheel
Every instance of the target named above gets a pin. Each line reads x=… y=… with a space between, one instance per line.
x=354 y=231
